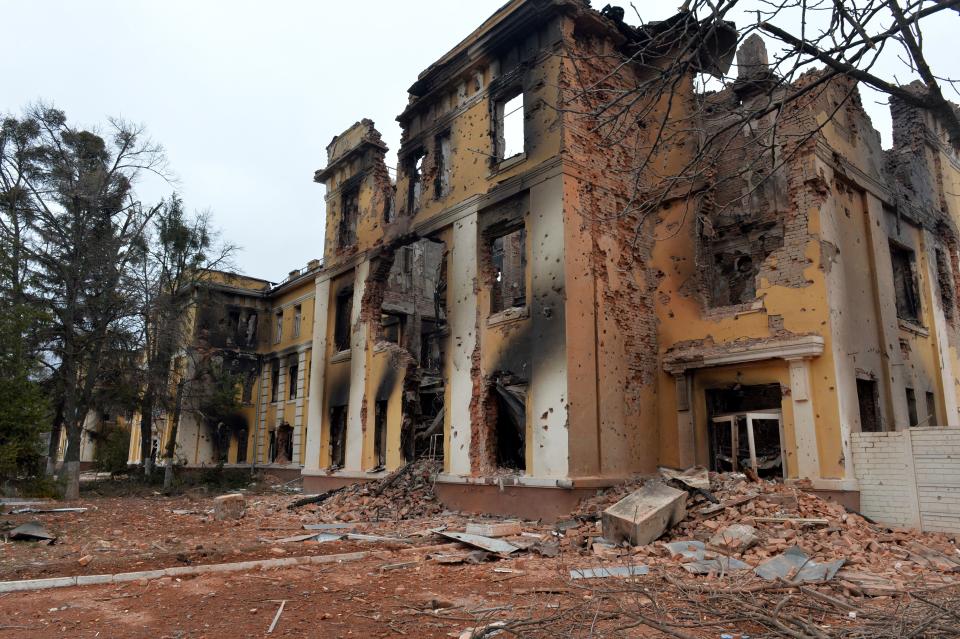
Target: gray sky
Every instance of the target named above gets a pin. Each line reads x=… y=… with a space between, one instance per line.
x=246 y=95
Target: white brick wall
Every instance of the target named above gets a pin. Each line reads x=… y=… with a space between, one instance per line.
x=910 y=478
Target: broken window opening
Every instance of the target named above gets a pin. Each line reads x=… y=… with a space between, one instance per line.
x=732 y=253
x=509 y=127
x=380 y=434
x=349 y=213
x=250 y=330
x=242 y=447
x=931 y=410
x=342 y=320
x=272 y=446
x=275 y=381
x=392 y=328
x=509 y=261
x=297 y=319
x=338 y=436
x=415 y=176
x=292 y=378
x=734 y=412
x=283 y=448
x=905 y=283
x=912 y=407
x=868 y=398
x=444 y=169
x=278 y=327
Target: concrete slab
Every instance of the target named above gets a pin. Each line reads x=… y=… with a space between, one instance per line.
x=644 y=515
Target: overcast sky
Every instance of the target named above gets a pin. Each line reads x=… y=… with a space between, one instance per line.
x=246 y=95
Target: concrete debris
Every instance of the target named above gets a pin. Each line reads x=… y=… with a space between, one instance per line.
x=479 y=541
x=645 y=515
x=700 y=561
x=32 y=531
x=494 y=528
x=317 y=537
x=616 y=571
x=229 y=506
x=794 y=565
x=695 y=477
x=737 y=537
x=327 y=526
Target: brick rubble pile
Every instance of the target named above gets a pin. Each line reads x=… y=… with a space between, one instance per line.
x=878 y=559
x=409 y=496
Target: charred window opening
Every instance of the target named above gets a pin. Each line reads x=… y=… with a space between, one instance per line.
x=508 y=116
x=349 y=213
x=292 y=373
x=278 y=327
x=342 y=322
x=338 y=436
x=441 y=187
x=931 y=409
x=905 y=283
x=736 y=410
x=414 y=166
x=508 y=257
x=945 y=284
x=380 y=434
x=507 y=418
x=868 y=398
x=275 y=381
x=912 y=407
x=392 y=328
x=297 y=319
x=242 y=446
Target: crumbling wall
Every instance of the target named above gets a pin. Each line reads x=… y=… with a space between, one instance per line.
x=618 y=243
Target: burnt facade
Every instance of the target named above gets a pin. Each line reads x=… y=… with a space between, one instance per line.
x=804 y=290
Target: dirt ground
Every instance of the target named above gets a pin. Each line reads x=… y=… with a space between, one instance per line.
x=893 y=583
x=356 y=599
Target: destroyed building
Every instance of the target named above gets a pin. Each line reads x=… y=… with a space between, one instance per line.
x=565 y=347
x=256 y=333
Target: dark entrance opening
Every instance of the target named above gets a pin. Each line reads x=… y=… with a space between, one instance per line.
x=338 y=436
x=507 y=406
x=380 y=434
x=869 y=401
x=737 y=412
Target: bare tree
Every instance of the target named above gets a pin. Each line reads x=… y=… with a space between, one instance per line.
x=179 y=254
x=654 y=94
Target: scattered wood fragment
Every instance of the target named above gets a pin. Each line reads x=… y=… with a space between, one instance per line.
x=276 y=617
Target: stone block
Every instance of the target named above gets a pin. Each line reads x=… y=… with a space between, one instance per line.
x=644 y=515
x=228 y=506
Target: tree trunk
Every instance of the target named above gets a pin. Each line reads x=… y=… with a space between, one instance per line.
x=73 y=423
x=146 y=432
x=172 y=441
x=53 y=449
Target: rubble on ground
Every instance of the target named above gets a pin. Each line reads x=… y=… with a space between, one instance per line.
x=756 y=521
x=404 y=494
x=229 y=507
